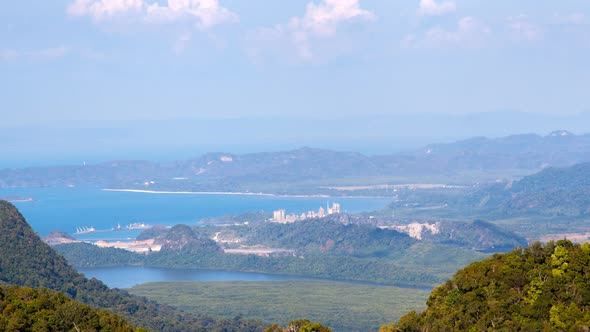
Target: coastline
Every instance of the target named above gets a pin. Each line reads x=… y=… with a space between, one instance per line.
x=18 y=200
x=212 y=193
x=236 y=193
x=24 y=200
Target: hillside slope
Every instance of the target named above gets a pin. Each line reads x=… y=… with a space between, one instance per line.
x=539 y=288
x=28 y=309
x=554 y=191
x=25 y=260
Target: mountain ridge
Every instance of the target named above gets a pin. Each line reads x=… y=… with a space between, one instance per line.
x=561 y=191
x=220 y=171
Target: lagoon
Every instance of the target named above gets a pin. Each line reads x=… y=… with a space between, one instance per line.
x=129 y=276
x=68 y=208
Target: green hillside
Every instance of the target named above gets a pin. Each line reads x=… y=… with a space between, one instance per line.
x=25 y=260
x=28 y=309
x=539 y=288
x=329 y=235
x=553 y=191
x=324 y=248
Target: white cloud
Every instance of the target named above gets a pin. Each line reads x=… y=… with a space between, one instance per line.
x=522 y=29
x=323 y=18
x=100 y=10
x=205 y=13
x=469 y=33
x=431 y=8
x=319 y=23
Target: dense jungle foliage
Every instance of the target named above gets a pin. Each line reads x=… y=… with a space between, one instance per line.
x=25 y=260
x=538 y=288
x=28 y=309
x=330 y=236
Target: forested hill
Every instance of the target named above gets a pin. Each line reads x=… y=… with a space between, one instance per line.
x=28 y=309
x=557 y=191
x=539 y=288
x=226 y=171
x=330 y=236
x=25 y=260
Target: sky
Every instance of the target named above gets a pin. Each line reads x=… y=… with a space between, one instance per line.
x=85 y=63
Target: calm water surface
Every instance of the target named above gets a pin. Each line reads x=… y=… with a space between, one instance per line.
x=68 y=208
x=129 y=276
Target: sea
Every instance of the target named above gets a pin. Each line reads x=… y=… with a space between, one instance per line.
x=68 y=209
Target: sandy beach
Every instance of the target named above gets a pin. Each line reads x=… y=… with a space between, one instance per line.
x=211 y=193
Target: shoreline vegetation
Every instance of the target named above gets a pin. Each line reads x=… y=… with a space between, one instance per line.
x=344 y=307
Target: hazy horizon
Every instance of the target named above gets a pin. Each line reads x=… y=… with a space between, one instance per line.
x=177 y=139
x=93 y=80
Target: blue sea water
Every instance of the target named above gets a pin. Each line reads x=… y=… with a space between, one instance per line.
x=67 y=208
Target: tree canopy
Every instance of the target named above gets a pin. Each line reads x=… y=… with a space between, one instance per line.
x=538 y=288
x=28 y=309
x=25 y=260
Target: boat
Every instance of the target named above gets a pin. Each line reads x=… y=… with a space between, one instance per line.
x=85 y=230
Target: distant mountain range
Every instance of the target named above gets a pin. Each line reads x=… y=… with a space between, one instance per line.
x=177 y=139
x=230 y=172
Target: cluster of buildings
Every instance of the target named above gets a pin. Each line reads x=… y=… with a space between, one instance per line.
x=282 y=217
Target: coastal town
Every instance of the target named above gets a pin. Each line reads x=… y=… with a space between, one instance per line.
x=280 y=216
x=150 y=245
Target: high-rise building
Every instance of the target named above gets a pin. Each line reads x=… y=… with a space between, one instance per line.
x=279 y=215
x=335 y=208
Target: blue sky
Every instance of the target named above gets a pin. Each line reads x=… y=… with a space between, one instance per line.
x=103 y=79
x=103 y=60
